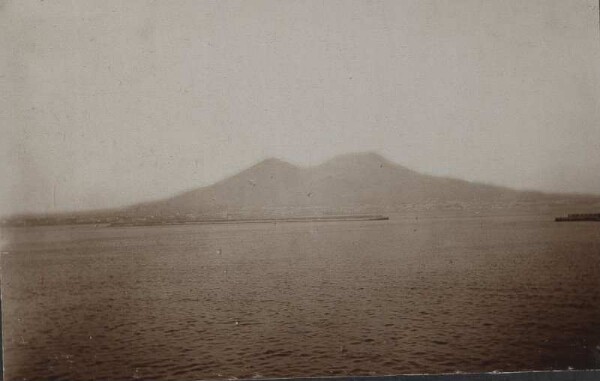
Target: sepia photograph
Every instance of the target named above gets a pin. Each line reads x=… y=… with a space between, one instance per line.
x=289 y=189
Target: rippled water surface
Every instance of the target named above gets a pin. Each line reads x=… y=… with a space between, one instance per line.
x=221 y=301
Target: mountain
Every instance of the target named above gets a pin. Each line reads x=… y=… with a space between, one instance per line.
x=348 y=183
x=357 y=183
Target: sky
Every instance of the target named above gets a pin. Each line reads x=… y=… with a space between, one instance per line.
x=107 y=103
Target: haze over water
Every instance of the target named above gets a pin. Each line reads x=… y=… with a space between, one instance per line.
x=408 y=295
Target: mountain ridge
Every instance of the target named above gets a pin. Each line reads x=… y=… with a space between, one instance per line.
x=349 y=183
x=352 y=180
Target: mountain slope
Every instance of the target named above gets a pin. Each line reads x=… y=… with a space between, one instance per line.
x=348 y=182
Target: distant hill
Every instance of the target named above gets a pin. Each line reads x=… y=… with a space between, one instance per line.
x=347 y=184
x=364 y=181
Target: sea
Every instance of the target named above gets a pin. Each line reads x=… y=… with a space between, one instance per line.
x=409 y=295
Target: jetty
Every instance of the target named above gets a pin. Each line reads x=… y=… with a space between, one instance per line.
x=579 y=217
x=274 y=220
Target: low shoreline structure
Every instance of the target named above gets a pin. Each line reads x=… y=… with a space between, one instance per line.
x=579 y=217
x=254 y=220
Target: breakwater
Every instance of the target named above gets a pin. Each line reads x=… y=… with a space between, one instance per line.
x=255 y=220
x=579 y=217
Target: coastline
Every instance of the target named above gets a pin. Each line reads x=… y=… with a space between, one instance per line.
x=254 y=220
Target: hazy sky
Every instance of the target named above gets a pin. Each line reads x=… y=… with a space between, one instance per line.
x=105 y=103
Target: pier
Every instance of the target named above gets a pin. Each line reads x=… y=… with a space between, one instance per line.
x=579 y=217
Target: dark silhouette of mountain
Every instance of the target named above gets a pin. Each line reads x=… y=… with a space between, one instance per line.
x=354 y=181
x=345 y=185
